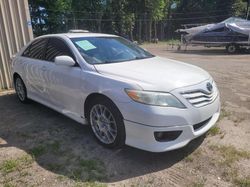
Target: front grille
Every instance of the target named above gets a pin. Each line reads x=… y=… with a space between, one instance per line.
x=199 y=98
x=201 y=124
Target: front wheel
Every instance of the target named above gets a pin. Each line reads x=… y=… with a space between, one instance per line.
x=106 y=122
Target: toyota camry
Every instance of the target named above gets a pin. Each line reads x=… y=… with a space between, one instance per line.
x=127 y=95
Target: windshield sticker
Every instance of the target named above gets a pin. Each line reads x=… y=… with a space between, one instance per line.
x=85 y=45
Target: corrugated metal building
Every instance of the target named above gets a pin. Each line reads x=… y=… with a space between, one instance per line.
x=15 y=32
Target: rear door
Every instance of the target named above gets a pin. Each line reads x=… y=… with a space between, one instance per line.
x=34 y=68
x=63 y=82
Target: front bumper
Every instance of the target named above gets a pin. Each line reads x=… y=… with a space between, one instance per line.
x=142 y=136
x=142 y=121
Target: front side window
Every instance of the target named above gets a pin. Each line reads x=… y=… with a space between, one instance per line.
x=36 y=49
x=56 y=47
x=100 y=50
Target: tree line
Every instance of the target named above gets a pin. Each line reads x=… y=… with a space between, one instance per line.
x=141 y=20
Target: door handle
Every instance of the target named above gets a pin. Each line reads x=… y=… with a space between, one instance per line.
x=44 y=68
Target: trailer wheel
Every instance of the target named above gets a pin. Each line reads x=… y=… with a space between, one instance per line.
x=232 y=48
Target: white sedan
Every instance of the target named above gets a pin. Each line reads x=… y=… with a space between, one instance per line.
x=126 y=94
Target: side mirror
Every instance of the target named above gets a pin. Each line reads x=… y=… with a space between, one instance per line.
x=64 y=61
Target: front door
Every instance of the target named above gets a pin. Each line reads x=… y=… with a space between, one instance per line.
x=64 y=83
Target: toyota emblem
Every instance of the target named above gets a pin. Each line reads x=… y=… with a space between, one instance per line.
x=209 y=87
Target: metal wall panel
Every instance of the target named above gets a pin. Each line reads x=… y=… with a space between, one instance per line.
x=15 y=32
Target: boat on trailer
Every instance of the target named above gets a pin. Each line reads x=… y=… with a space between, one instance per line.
x=232 y=33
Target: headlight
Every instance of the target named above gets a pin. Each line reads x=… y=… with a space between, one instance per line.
x=154 y=98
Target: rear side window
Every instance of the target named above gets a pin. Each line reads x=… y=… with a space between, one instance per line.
x=26 y=52
x=57 y=47
x=36 y=49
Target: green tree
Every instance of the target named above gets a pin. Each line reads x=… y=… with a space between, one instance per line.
x=134 y=19
x=239 y=8
x=87 y=14
x=48 y=16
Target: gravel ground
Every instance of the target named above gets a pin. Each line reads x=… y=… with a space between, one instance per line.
x=40 y=147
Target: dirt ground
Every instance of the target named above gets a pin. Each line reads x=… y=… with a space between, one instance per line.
x=40 y=147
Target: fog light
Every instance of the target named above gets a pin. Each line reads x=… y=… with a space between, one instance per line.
x=165 y=136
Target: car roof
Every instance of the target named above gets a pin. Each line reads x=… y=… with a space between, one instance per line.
x=78 y=35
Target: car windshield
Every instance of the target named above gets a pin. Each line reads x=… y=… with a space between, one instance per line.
x=101 y=50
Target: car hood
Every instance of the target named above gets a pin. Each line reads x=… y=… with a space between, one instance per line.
x=158 y=74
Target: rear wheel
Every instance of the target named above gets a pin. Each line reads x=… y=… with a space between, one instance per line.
x=21 y=90
x=232 y=48
x=106 y=122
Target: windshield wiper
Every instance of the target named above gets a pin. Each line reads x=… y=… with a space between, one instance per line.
x=138 y=58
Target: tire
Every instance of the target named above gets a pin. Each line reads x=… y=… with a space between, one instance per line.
x=21 y=90
x=106 y=123
x=232 y=48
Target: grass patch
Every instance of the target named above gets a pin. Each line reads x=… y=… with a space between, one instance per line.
x=8 y=185
x=55 y=146
x=189 y=158
x=89 y=184
x=44 y=148
x=89 y=170
x=26 y=160
x=224 y=114
x=18 y=164
x=193 y=156
x=54 y=167
x=230 y=154
x=230 y=174
x=90 y=164
x=24 y=135
x=8 y=166
x=242 y=182
x=76 y=174
x=200 y=183
x=214 y=131
x=38 y=151
x=24 y=173
x=61 y=178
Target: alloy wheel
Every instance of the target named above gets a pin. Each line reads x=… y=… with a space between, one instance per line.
x=103 y=124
